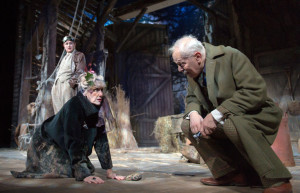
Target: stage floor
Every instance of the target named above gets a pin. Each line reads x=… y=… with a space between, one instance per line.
x=161 y=173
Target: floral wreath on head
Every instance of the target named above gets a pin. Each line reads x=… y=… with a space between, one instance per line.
x=89 y=77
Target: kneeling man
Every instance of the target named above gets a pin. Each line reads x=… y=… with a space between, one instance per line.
x=229 y=118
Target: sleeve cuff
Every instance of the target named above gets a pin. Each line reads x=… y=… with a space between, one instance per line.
x=218 y=116
x=222 y=110
x=188 y=115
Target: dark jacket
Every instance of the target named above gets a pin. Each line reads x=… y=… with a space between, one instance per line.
x=76 y=129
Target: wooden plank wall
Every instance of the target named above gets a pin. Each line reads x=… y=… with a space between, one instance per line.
x=143 y=70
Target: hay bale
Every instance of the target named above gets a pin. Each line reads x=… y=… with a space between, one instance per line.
x=165 y=135
x=121 y=135
x=171 y=138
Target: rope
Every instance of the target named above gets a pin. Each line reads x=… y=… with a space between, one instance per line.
x=37 y=41
x=80 y=22
x=75 y=15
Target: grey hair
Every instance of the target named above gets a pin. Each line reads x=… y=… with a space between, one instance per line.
x=187 y=46
x=83 y=86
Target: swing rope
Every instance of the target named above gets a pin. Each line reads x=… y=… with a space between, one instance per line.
x=80 y=22
x=74 y=17
x=53 y=75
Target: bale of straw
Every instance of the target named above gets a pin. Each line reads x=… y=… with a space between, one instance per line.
x=164 y=133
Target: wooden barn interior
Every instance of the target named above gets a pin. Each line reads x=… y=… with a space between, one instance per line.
x=136 y=55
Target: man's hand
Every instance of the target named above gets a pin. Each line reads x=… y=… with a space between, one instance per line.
x=209 y=125
x=196 y=122
x=110 y=174
x=93 y=180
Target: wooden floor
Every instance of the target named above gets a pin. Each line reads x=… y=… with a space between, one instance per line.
x=161 y=173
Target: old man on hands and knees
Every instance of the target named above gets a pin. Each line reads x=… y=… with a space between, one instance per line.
x=227 y=103
x=61 y=145
x=70 y=67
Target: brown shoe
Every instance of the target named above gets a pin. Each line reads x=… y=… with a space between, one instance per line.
x=227 y=180
x=283 y=188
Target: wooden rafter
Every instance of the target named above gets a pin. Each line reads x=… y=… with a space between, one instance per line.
x=208 y=10
x=131 y=10
x=88 y=44
x=132 y=28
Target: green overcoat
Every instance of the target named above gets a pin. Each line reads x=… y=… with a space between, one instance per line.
x=237 y=90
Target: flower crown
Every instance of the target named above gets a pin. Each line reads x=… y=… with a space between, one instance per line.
x=89 y=77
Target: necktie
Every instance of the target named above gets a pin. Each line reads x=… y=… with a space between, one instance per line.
x=202 y=80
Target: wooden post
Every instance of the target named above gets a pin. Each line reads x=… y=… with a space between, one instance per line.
x=44 y=105
x=25 y=46
x=100 y=55
x=18 y=69
x=26 y=71
x=101 y=18
x=49 y=40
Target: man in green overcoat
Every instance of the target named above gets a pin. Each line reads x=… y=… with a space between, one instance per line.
x=229 y=117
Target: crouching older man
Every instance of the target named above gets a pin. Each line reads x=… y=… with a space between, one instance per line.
x=227 y=105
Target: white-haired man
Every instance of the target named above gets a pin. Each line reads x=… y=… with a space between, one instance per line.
x=227 y=105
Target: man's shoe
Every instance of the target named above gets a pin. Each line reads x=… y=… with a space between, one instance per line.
x=227 y=180
x=283 y=188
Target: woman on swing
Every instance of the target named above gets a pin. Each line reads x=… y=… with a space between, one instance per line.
x=61 y=145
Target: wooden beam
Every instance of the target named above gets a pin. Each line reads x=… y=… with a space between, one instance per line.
x=18 y=68
x=138 y=5
x=26 y=70
x=273 y=69
x=115 y=19
x=100 y=25
x=157 y=69
x=49 y=46
x=29 y=48
x=97 y=29
x=132 y=28
x=88 y=26
x=138 y=36
x=25 y=86
x=150 y=97
x=106 y=12
x=131 y=10
x=110 y=35
x=44 y=105
x=208 y=10
x=294 y=51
